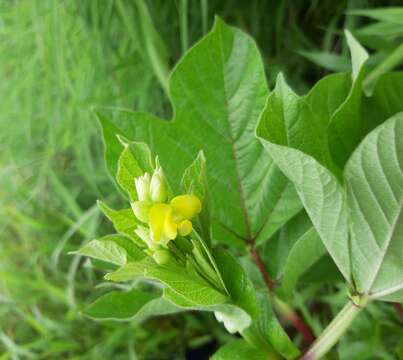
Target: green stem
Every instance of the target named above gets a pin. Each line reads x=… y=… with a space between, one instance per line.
x=334 y=331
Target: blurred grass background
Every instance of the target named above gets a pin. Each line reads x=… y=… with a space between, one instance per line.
x=59 y=60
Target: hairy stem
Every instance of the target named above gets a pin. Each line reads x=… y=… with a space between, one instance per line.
x=285 y=311
x=333 y=332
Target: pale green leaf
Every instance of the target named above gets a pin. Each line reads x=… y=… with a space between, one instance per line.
x=123 y=221
x=374 y=180
x=194 y=181
x=134 y=161
x=291 y=121
x=133 y=305
x=358 y=54
x=105 y=250
x=306 y=251
x=240 y=319
x=193 y=289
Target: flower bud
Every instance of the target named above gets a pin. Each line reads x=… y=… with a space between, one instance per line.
x=158 y=186
x=161 y=256
x=141 y=210
x=142 y=184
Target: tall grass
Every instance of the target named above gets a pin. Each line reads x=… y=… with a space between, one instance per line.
x=58 y=61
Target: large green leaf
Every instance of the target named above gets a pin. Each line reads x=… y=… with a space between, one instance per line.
x=374 y=180
x=133 y=305
x=218 y=90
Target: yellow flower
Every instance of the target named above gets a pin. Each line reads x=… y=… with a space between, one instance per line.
x=167 y=220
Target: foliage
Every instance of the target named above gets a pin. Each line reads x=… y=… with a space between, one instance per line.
x=58 y=60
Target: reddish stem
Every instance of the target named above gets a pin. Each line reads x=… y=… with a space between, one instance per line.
x=288 y=315
x=399 y=309
x=260 y=264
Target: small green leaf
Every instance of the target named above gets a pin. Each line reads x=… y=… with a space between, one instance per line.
x=241 y=350
x=358 y=54
x=346 y=128
x=240 y=288
x=133 y=305
x=133 y=162
x=306 y=251
x=267 y=328
x=191 y=288
x=123 y=221
x=240 y=319
x=105 y=250
x=194 y=181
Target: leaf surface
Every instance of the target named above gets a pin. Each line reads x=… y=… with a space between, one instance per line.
x=374 y=180
x=133 y=305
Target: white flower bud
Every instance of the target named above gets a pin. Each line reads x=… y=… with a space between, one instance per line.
x=158 y=188
x=142 y=184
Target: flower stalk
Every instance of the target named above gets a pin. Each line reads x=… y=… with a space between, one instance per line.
x=335 y=329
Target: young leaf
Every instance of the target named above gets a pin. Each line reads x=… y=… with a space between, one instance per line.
x=302 y=122
x=306 y=251
x=105 y=250
x=358 y=54
x=191 y=288
x=123 y=221
x=240 y=319
x=346 y=127
x=133 y=162
x=133 y=305
x=268 y=328
x=374 y=180
x=240 y=350
x=224 y=98
x=194 y=181
x=240 y=288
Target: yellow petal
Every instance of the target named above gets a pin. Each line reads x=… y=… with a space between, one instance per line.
x=186 y=206
x=163 y=228
x=185 y=228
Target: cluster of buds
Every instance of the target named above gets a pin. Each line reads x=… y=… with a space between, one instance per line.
x=163 y=220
